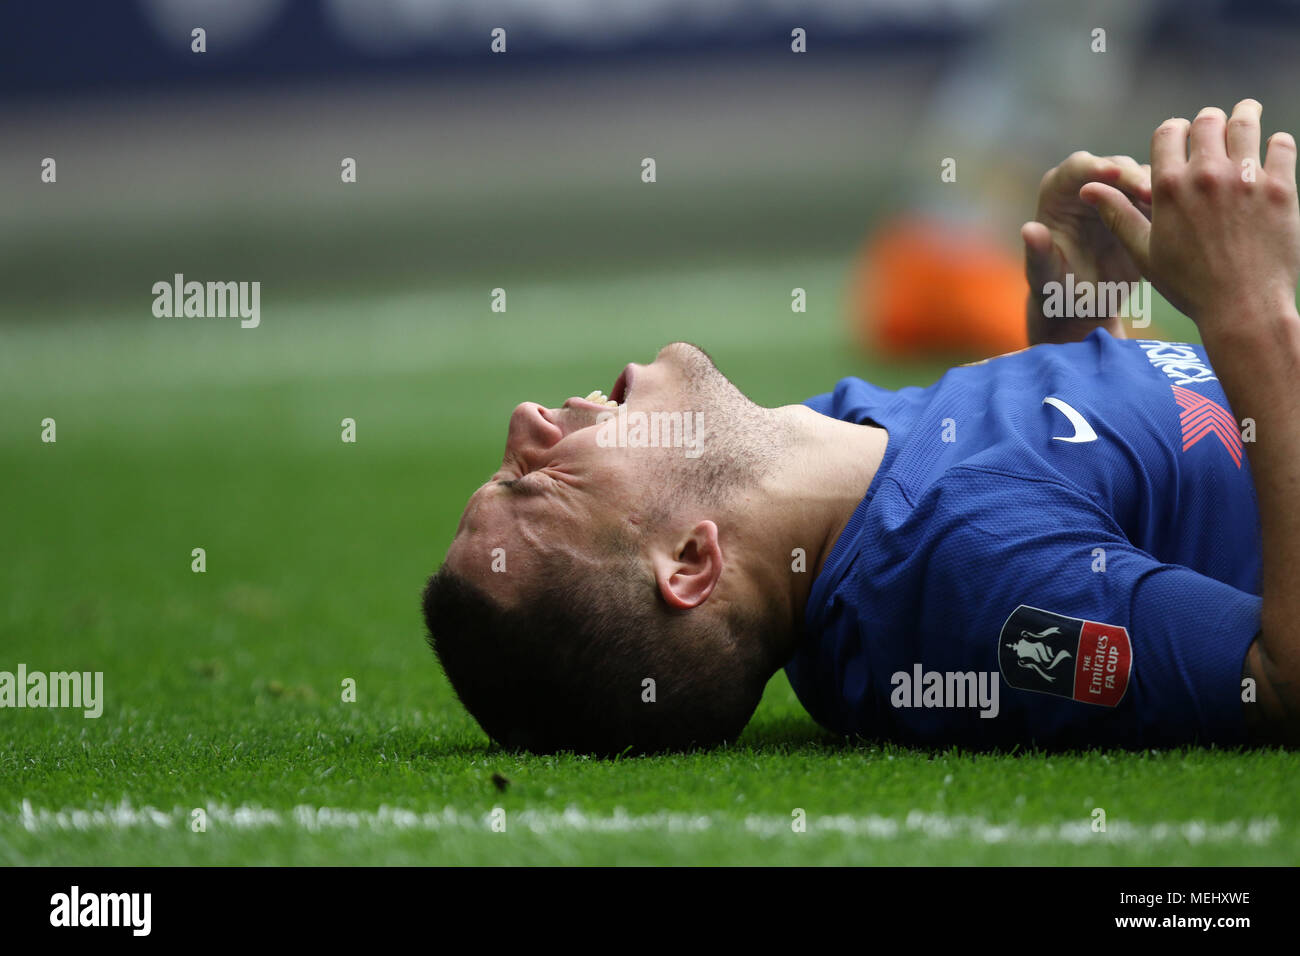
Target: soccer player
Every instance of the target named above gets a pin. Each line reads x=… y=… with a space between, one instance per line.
x=1057 y=547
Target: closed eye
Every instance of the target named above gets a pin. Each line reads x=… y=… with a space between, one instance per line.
x=520 y=485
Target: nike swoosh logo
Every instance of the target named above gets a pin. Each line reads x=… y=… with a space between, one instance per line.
x=1082 y=430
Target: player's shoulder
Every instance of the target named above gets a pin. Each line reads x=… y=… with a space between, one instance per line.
x=993 y=501
x=991 y=536
x=854 y=399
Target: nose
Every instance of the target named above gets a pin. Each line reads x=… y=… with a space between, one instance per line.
x=531 y=434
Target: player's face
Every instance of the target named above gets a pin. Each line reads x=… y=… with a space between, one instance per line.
x=574 y=479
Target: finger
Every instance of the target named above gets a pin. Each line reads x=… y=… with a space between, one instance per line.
x=1280 y=161
x=1144 y=204
x=1169 y=147
x=1078 y=168
x=1122 y=218
x=1122 y=160
x=1043 y=262
x=1208 y=141
x=1133 y=180
x=1243 y=132
x=1123 y=172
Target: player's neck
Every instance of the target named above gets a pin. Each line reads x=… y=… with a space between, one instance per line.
x=843 y=460
x=802 y=505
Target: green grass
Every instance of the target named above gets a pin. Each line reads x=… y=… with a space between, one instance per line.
x=223 y=688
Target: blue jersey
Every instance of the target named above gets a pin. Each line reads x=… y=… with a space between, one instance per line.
x=1060 y=547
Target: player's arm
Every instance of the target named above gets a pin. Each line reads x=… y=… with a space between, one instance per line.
x=1223 y=245
x=1051 y=547
x=1067 y=236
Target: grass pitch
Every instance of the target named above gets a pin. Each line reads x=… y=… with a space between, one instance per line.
x=223 y=689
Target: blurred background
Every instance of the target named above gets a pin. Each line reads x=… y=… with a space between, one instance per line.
x=482 y=167
x=475 y=170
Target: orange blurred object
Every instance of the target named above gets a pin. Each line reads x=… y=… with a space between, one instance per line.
x=927 y=287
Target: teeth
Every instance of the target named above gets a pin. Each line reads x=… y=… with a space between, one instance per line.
x=600 y=398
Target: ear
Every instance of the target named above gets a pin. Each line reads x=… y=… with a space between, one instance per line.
x=687 y=571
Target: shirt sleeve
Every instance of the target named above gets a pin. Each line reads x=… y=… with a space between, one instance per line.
x=1095 y=641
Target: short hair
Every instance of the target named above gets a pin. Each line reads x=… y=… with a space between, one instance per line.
x=565 y=668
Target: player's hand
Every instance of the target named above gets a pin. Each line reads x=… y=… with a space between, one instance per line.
x=1223 y=240
x=1068 y=235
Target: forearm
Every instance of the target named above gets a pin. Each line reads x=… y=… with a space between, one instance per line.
x=1222 y=244
x=1256 y=355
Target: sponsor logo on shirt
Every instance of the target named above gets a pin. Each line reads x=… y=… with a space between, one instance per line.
x=1200 y=417
x=1050 y=653
x=1177 y=360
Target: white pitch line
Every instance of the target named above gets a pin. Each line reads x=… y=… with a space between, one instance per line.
x=931 y=826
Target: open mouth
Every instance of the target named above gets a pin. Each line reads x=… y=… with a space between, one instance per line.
x=617 y=395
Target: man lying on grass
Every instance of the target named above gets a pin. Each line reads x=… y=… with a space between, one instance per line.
x=1058 y=547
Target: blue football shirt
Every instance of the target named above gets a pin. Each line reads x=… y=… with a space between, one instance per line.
x=1061 y=547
